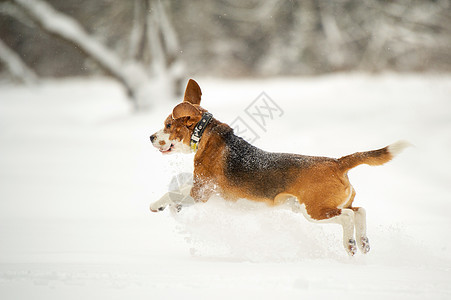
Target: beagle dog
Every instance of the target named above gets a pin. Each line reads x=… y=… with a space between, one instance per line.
x=227 y=165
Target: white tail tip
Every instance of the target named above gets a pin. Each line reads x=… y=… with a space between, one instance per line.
x=398 y=147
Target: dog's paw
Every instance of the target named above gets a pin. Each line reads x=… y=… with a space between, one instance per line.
x=364 y=245
x=161 y=204
x=351 y=247
x=175 y=200
x=176 y=208
x=156 y=208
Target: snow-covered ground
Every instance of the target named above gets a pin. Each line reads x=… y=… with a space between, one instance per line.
x=77 y=174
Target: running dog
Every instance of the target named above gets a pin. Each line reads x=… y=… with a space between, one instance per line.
x=227 y=165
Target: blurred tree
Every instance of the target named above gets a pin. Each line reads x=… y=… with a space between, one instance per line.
x=308 y=37
x=229 y=37
x=151 y=71
x=18 y=69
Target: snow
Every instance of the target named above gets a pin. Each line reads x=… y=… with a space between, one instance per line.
x=78 y=172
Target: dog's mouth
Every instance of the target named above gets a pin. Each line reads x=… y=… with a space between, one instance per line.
x=167 y=150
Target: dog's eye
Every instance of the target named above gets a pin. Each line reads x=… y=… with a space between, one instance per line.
x=168 y=126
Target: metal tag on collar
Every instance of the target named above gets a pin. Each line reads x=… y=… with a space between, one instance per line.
x=194 y=141
x=193 y=146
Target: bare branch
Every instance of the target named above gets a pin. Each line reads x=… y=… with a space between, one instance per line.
x=16 y=65
x=70 y=30
x=155 y=42
x=138 y=32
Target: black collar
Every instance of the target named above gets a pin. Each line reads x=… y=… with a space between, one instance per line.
x=199 y=130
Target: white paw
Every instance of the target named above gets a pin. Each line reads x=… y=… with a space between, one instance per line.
x=175 y=199
x=176 y=208
x=364 y=245
x=351 y=247
x=161 y=204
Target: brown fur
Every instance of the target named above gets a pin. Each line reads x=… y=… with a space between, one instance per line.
x=320 y=183
x=227 y=165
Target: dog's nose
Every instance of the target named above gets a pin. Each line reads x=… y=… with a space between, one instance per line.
x=152 y=137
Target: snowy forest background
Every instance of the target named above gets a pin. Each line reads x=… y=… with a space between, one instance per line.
x=164 y=42
x=84 y=83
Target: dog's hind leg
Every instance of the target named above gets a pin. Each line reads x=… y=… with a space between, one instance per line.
x=344 y=217
x=360 y=228
x=289 y=200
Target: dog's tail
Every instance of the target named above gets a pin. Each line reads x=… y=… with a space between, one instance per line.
x=373 y=158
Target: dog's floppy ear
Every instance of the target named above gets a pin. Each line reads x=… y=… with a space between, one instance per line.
x=192 y=92
x=187 y=110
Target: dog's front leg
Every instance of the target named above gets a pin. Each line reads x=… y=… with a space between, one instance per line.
x=176 y=199
x=201 y=192
x=161 y=204
x=184 y=198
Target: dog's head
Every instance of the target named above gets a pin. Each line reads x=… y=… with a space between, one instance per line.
x=179 y=125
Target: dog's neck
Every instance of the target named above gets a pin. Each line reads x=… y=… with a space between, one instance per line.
x=199 y=130
x=215 y=130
